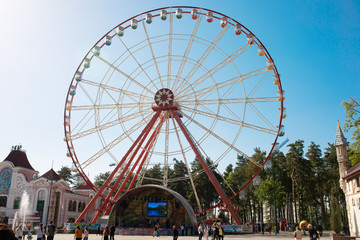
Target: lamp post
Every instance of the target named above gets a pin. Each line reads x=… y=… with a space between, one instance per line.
x=269 y=166
x=47 y=213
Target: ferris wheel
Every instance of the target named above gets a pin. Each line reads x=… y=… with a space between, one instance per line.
x=174 y=83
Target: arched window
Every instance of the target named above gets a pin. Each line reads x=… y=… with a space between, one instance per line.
x=17 y=203
x=74 y=206
x=79 y=207
x=3 y=201
x=83 y=206
x=70 y=206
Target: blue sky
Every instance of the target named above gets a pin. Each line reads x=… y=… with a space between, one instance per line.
x=315 y=46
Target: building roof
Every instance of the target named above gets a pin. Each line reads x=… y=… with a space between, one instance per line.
x=18 y=158
x=83 y=186
x=51 y=175
x=339 y=139
x=353 y=171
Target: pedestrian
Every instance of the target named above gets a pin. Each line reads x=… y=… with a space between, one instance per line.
x=175 y=233
x=182 y=227
x=313 y=234
x=207 y=231
x=262 y=228
x=297 y=234
x=156 y=228
x=213 y=228
x=86 y=233
x=40 y=232
x=320 y=228
x=112 y=232
x=221 y=232
x=6 y=232
x=200 y=231
x=216 y=231
x=98 y=232
x=51 y=230
x=106 y=233
x=78 y=233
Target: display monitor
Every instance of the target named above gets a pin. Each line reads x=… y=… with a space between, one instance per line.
x=157 y=209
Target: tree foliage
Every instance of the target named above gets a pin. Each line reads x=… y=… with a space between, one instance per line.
x=352 y=123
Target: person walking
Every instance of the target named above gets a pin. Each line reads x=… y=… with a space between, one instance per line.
x=86 y=233
x=40 y=233
x=106 y=233
x=51 y=230
x=262 y=228
x=297 y=234
x=221 y=232
x=200 y=231
x=175 y=233
x=78 y=233
x=182 y=227
x=98 y=232
x=112 y=232
x=156 y=228
x=313 y=234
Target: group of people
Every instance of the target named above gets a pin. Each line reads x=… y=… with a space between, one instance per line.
x=19 y=232
x=215 y=231
x=313 y=234
x=109 y=232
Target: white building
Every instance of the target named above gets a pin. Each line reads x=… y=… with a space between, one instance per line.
x=18 y=176
x=349 y=183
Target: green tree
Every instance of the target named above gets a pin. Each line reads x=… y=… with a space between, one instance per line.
x=101 y=178
x=352 y=122
x=66 y=174
x=156 y=172
x=335 y=215
x=179 y=172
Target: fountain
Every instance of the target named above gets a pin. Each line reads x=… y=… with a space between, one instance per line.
x=20 y=215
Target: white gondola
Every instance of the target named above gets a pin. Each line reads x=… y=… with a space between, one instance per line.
x=178 y=13
x=148 y=18
x=97 y=51
x=108 y=40
x=283 y=113
x=68 y=105
x=163 y=15
x=120 y=31
x=257 y=181
x=276 y=79
x=73 y=90
x=281 y=131
x=250 y=39
x=78 y=76
x=223 y=22
x=269 y=64
x=209 y=17
x=281 y=95
x=134 y=23
x=237 y=29
x=194 y=14
x=261 y=51
x=87 y=63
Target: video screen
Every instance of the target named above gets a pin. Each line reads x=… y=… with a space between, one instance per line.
x=157 y=209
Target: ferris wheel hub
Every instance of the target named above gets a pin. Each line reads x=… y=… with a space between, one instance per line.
x=164 y=98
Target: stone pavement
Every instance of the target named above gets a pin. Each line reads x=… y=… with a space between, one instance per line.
x=257 y=236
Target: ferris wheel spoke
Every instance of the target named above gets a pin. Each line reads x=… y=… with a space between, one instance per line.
x=122 y=91
x=132 y=55
x=152 y=53
x=110 y=106
x=187 y=51
x=220 y=101
x=86 y=93
x=217 y=68
x=166 y=151
x=201 y=93
x=125 y=75
x=107 y=125
x=222 y=140
x=186 y=164
x=202 y=59
x=115 y=142
x=229 y=120
x=267 y=122
x=81 y=123
x=170 y=49
x=258 y=85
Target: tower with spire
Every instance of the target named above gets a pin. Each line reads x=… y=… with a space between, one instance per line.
x=341 y=154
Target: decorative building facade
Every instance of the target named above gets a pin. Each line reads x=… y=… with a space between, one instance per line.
x=349 y=183
x=49 y=197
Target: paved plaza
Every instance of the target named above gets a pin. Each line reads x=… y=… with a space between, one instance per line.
x=282 y=235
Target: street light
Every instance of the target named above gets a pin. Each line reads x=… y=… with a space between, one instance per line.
x=269 y=166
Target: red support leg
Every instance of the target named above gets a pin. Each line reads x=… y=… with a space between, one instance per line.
x=99 y=192
x=208 y=171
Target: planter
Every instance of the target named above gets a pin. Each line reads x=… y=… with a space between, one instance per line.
x=339 y=236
